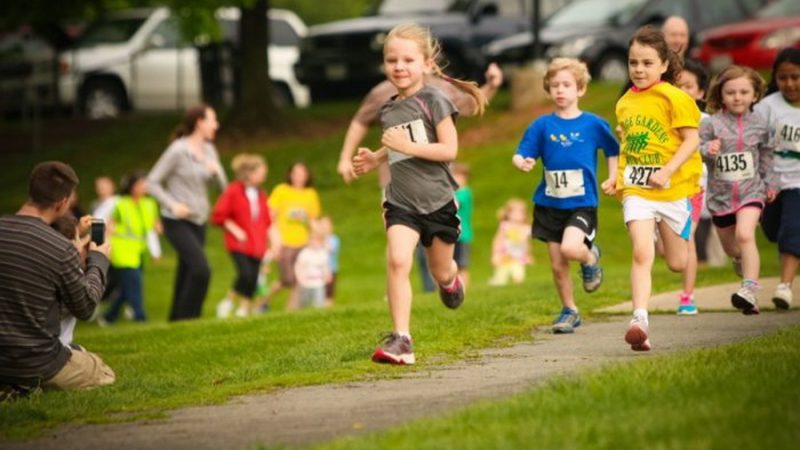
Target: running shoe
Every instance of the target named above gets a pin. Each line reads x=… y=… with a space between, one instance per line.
x=454 y=296
x=686 y=306
x=637 y=335
x=592 y=274
x=782 y=298
x=567 y=321
x=224 y=308
x=745 y=299
x=395 y=349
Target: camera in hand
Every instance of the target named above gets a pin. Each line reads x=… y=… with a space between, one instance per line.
x=98 y=231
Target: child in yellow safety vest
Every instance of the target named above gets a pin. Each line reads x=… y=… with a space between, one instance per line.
x=133 y=222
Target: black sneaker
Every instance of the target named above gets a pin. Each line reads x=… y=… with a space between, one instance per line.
x=453 y=297
x=395 y=349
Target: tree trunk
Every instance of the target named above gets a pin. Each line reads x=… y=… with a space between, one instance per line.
x=255 y=108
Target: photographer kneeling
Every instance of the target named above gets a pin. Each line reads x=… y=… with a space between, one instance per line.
x=41 y=270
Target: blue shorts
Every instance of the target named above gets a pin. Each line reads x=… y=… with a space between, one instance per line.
x=781 y=222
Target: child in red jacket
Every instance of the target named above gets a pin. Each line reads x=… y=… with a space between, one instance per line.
x=243 y=213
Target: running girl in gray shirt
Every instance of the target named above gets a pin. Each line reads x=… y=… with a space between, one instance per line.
x=419 y=141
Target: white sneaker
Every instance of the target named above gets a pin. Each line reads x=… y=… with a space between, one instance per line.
x=782 y=298
x=745 y=300
x=224 y=308
x=241 y=311
x=638 y=335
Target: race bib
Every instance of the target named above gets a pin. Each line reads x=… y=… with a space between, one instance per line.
x=415 y=130
x=639 y=176
x=788 y=137
x=564 y=183
x=734 y=167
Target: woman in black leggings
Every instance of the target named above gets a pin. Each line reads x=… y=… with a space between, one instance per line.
x=180 y=181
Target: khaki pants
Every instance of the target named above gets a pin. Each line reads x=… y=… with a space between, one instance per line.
x=84 y=370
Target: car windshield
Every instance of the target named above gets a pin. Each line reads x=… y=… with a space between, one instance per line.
x=110 y=31
x=785 y=8
x=595 y=13
x=395 y=7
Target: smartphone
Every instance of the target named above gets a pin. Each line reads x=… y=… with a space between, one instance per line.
x=98 y=231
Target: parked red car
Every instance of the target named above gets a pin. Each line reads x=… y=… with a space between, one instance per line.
x=753 y=43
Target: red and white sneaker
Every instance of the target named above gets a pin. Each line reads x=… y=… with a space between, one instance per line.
x=637 y=335
x=395 y=349
x=454 y=296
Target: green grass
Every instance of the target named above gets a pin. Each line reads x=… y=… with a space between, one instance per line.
x=162 y=366
x=742 y=396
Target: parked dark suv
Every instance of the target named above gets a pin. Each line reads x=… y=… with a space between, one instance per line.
x=345 y=57
x=597 y=31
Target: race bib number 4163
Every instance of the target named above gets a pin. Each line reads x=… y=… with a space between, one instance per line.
x=415 y=130
x=639 y=176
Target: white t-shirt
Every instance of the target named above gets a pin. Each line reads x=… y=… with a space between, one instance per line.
x=312 y=267
x=784 y=124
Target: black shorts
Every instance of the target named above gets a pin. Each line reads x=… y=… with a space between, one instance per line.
x=781 y=222
x=247 y=269
x=729 y=220
x=549 y=223
x=443 y=222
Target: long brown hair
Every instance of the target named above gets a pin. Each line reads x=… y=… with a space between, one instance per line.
x=431 y=49
x=189 y=122
x=651 y=36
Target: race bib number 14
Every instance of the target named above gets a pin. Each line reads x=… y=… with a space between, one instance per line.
x=564 y=183
x=415 y=130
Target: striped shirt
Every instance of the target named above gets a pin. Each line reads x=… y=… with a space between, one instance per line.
x=40 y=270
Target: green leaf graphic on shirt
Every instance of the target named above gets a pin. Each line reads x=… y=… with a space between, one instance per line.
x=637 y=142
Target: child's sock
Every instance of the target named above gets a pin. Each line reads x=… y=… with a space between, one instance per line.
x=686 y=298
x=405 y=334
x=449 y=286
x=641 y=315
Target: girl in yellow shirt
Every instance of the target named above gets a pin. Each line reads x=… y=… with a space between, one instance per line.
x=659 y=166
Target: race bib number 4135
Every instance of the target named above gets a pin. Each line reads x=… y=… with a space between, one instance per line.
x=639 y=176
x=564 y=183
x=734 y=166
x=415 y=130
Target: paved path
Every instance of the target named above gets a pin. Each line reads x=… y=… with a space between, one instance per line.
x=711 y=298
x=319 y=413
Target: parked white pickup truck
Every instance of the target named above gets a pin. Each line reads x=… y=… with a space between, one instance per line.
x=136 y=60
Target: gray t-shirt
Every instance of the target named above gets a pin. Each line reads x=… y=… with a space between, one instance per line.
x=419 y=185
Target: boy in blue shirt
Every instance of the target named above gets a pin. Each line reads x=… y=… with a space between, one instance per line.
x=565 y=211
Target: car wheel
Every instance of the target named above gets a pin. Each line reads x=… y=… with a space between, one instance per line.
x=613 y=67
x=103 y=99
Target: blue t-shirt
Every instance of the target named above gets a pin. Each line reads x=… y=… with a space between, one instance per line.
x=568 y=150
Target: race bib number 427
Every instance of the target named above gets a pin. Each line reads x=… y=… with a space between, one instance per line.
x=415 y=130
x=639 y=176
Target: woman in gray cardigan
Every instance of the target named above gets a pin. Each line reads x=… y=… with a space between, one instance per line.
x=179 y=181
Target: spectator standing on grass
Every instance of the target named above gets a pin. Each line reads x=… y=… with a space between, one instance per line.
x=780 y=219
x=466 y=206
x=243 y=213
x=179 y=181
x=133 y=218
x=102 y=206
x=40 y=274
x=294 y=204
x=566 y=201
x=334 y=245
x=511 y=246
x=313 y=269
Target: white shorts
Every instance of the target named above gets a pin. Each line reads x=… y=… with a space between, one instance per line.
x=676 y=214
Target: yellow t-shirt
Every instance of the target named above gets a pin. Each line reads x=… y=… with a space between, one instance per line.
x=294 y=208
x=650 y=120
